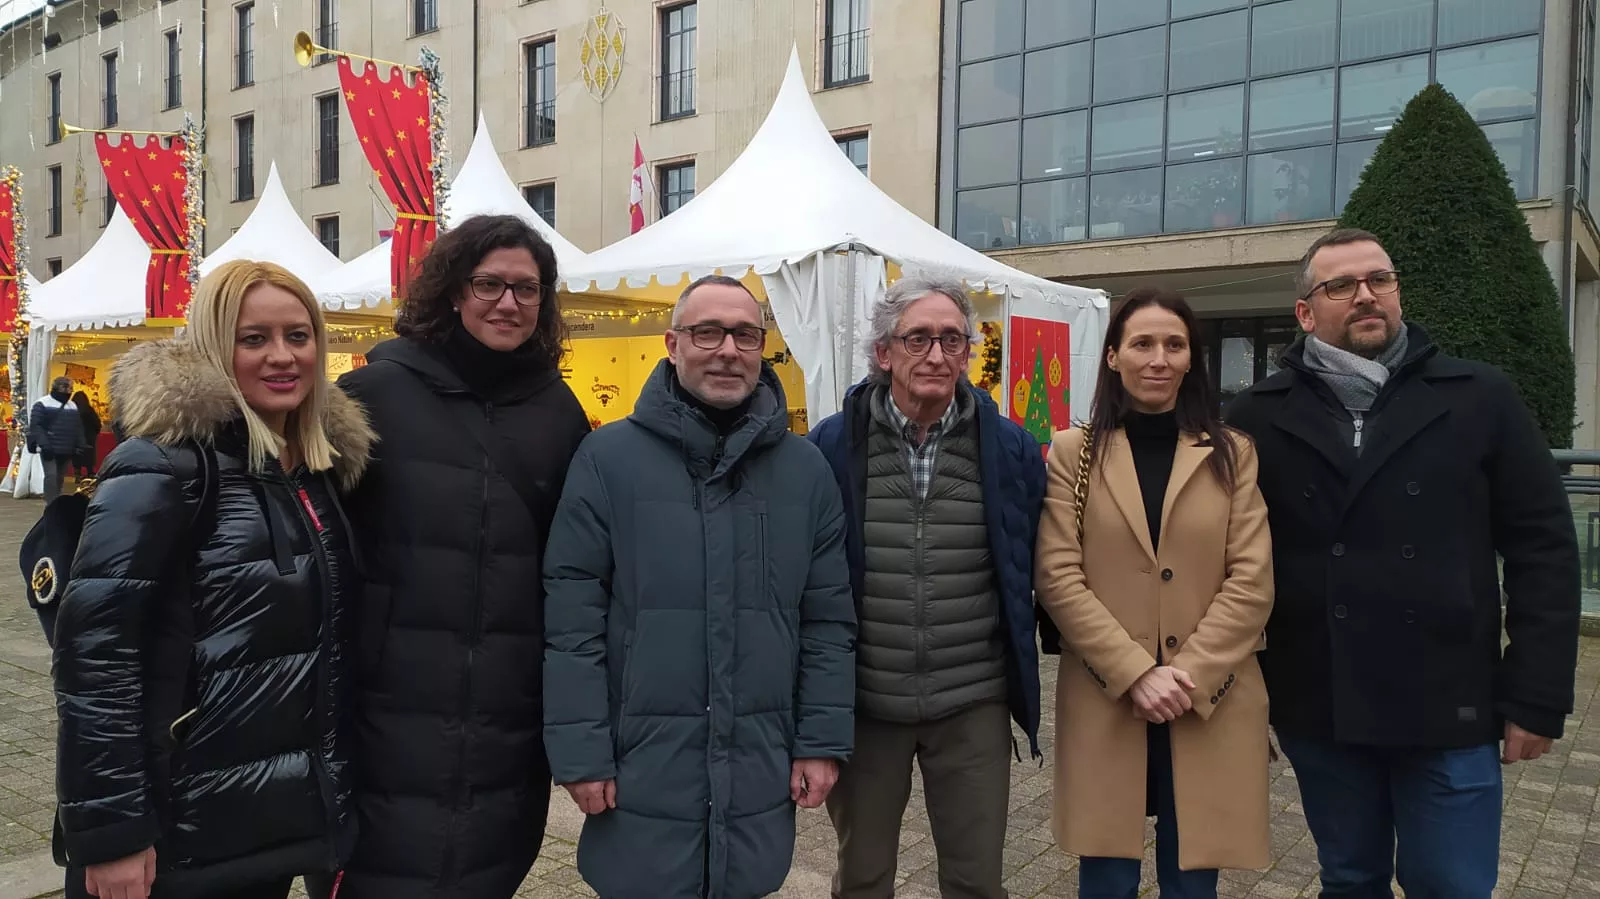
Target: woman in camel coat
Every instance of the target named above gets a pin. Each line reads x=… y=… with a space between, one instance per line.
x=1160 y=705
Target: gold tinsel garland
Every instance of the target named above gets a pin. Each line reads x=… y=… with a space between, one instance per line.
x=193 y=136
x=17 y=345
x=990 y=356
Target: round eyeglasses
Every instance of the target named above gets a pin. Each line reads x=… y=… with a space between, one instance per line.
x=952 y=344
x=710 y=337
x=1343 y=290
x=488 y=289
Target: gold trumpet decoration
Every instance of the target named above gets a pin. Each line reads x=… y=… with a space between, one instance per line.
x=305 y=49
x=67 y=130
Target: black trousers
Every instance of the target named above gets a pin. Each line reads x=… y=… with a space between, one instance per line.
x=277 y=889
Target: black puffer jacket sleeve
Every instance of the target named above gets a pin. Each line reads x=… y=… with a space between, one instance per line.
x=135 y=525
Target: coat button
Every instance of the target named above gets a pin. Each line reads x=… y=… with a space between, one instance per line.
x=1166 y=574
x=1407 y=552
x=1412 y=488
x=1340 y=612
x=1172 y=642
x=1311 y=490
x=1338 y=549
x=1411 y=616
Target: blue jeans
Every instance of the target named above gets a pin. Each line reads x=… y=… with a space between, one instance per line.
x=1118 y=878
x=1429 y=818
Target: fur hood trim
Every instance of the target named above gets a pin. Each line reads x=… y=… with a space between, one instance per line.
x=166 y=393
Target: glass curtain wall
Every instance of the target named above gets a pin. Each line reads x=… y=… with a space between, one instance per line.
x=1098 y=119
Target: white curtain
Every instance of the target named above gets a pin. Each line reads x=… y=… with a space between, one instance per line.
x=821 y=304
x=25 y=476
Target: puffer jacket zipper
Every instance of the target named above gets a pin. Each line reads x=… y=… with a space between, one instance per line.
x=460 y=790
x=326 y=714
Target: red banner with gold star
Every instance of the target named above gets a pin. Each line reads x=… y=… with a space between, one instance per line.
x=393 y=120
x=150 y=182
x=10 y=266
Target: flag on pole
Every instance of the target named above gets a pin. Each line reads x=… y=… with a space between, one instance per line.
x=636 y=191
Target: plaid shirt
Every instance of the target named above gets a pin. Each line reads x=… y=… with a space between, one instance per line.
x=920 y=457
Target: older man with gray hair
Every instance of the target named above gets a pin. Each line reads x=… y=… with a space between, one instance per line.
x=942 y=498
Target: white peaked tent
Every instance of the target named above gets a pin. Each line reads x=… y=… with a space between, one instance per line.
x=793 y=210
x=480 y=187
x=103 y=289
x=274 y=233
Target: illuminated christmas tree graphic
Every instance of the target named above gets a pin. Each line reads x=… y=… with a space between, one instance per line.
x=1037 y=417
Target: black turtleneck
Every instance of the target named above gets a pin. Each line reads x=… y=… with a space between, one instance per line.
x=486 y=371
x=723 y=420
x=1154 y=441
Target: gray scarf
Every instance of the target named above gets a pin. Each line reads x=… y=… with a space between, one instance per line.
x=1354 y=379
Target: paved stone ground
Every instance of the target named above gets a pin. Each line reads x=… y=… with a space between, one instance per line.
x=1550 y=843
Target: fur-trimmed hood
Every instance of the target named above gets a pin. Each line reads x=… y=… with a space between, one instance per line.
x=166 y=393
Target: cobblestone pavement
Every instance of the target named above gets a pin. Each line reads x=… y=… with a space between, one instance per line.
x=1550 y=844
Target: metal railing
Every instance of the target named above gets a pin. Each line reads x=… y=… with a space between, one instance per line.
x=174 y=89
x=676 y=90
x=327 y=36
x=244 y=68
x=1580 y=474
x=539 y=123
x=845 y=58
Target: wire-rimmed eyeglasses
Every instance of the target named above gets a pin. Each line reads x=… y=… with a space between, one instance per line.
x=489 y=289
x=1343 y=290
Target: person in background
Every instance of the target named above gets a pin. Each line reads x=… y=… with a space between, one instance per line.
x=699 y=671
x=477 y=430
x=943 y=499
x=200 y=679
x=55 y=432
x=84 y=463
x=1395 y=476
x=1155 y=563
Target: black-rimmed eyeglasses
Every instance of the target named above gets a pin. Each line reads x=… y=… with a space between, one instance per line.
x=488 y=289
x=1343 y=290
x=951 y=343
x=710 y=337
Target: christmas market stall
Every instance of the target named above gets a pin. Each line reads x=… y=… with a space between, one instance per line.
x=818 y=243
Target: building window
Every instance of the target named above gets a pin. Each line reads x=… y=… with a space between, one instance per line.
x=244 y=158
x=539 y=73
x=328 y=233
x=855 y=149
x=424 y=16
x=174 y=82
x=244 y=52
x=677 y=185
x=110 y=87
x=328 y=139
x=327 y=27
x=53 y=266
x=844 y=50
x=1097 y=119
x=53 y=211
x=677 y=61
x=110 y=207
x=542 y=197
x=1241 y=351
x=53 y=123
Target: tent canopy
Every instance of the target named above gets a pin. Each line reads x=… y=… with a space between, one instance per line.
x=274 y=233
x=823 y=242
x=480 y=187
x=103 y=289
x=789 y=195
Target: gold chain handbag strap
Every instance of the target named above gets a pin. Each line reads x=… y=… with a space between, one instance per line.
x=1080 y=490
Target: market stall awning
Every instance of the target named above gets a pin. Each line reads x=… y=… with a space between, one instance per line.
x=790 y=195
x=481 y=187
x=103 y=289
x=800 y=224
x=273 y=232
